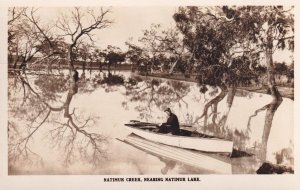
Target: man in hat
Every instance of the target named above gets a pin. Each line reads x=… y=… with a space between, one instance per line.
x=172 y=124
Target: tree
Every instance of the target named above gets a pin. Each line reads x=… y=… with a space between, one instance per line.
x=79 y=24
x=29 y=40
x=269 y=27
x=256 y=29
x=162 y=44
x=136 y=55
x=83 y=53
x=14 y=15
x=98 y=56
x=114 y=56
x=214 y=55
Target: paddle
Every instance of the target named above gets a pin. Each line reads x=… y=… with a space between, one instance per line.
x=142 y=124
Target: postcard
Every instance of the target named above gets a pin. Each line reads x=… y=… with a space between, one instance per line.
x=143 y=95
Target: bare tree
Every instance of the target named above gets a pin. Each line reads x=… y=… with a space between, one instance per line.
x=79 y=24
x=27 y=37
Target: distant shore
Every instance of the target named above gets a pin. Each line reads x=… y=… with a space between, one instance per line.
x=285 y=91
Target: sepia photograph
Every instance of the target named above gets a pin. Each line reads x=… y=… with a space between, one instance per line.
x=150 y=93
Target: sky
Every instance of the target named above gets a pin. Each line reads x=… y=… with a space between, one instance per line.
x=130 y=21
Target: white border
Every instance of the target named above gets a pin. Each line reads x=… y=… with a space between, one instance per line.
x=96 y=182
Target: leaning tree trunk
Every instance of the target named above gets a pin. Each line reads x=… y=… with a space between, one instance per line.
x=215 y=100
x=276 y=101
x=276 y=96
x=230 y=97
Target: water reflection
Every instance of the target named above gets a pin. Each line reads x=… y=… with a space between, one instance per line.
x=42 y=104
x=48 y=114
x=153 y=94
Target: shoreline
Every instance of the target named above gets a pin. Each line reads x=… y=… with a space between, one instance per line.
x=285 y=91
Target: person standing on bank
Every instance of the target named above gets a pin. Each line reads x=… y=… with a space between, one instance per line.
x=172 y=124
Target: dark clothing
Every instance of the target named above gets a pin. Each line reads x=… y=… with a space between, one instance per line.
x=172 y=125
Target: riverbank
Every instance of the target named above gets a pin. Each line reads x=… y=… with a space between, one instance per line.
x=285 y=91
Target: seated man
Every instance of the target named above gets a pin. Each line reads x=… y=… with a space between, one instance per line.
x=172 y=124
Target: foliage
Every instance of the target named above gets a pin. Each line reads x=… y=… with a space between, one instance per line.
x=216 y=54
x=113 y=80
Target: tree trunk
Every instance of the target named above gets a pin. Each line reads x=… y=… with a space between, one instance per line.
x=216 y=100
x=108 y=67
x=71 y=58
x=276 y=96
x=269 y=61
x=73 y=89
x=230 y=97
x=151 y=68
x=100 y=67
x=273 y=106
x=15 y=61
x=215 y=112
x=83 y=66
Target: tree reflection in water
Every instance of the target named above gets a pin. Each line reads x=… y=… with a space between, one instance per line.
x=43 y=103
x=155 y=93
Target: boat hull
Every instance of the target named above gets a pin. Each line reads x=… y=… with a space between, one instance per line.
x=199 y=160
x=215 y=145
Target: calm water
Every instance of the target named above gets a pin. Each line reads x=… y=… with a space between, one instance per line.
x=58 y=127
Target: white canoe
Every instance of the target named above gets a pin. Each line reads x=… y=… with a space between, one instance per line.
x=184 y=156
x=215 y=145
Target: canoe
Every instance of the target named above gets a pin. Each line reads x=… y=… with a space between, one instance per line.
x=180 y=155
x=187 y=139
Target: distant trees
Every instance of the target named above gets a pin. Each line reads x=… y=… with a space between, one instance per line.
x=98 y=56
x=113 y=56
x=158 y=49
x=136 y=56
